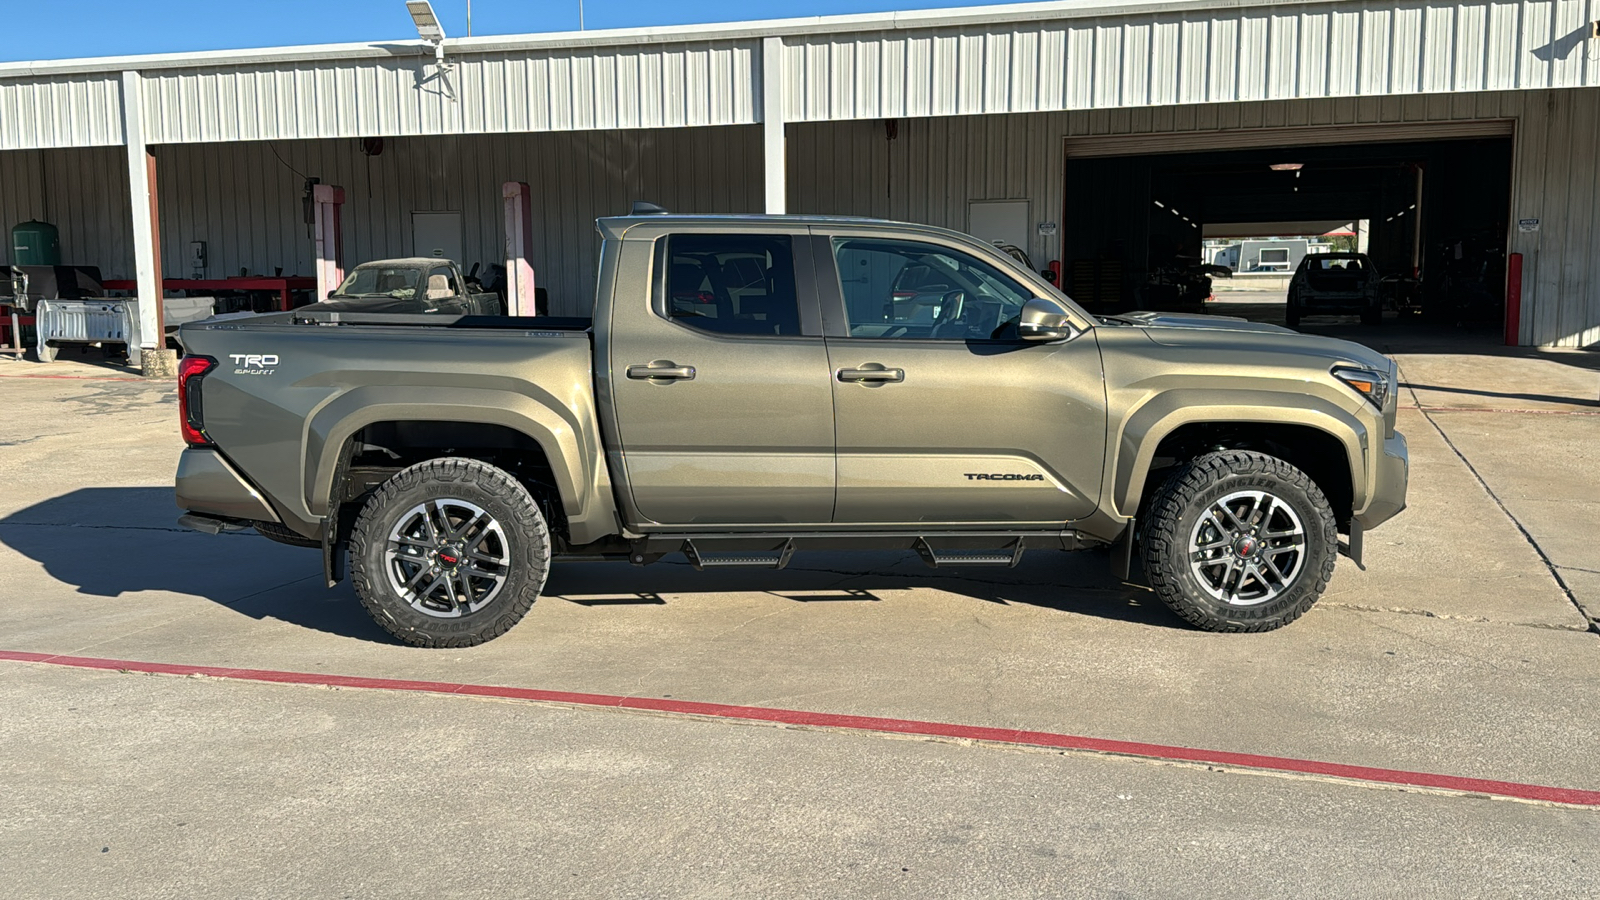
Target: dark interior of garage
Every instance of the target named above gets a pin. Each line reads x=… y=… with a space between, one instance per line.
x=1135 y=223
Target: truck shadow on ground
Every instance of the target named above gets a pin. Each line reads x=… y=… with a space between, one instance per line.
x=118 y=542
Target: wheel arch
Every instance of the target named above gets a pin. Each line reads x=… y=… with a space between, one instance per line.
x=564 y=447
x=1324 y=441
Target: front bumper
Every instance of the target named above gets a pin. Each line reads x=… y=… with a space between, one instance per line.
x=207 y=484
x=1389 y=491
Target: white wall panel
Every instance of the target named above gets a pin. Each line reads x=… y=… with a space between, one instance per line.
x=83 y=192
x=243 y=199
x=681 y=85
x=67 y=111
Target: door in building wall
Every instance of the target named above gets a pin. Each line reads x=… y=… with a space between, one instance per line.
x=436 y=234
x=1002 y=221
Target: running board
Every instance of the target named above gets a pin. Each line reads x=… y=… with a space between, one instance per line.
x=972 y=558
x=702 y=562
x=711 y=550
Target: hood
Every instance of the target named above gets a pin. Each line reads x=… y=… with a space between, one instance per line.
x=1184 y=320
x=1229 y=334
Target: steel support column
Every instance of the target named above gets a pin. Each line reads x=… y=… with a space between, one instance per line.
x=772 y=125
x=327 y=199
x=521 y=298
x=146 y=213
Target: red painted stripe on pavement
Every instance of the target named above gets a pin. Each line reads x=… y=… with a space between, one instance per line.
x=84 y=377
x=1051 y=740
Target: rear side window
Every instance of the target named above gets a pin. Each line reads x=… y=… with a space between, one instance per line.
x=730 y=284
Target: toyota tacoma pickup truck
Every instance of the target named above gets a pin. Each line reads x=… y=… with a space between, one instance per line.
x=750 y=387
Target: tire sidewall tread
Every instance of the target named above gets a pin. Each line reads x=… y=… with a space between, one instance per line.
x=500 y=494
x=1192 y=488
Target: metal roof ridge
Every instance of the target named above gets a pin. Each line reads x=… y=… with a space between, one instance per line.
x=622 y=37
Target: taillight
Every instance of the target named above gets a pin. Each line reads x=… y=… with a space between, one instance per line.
x=191 y=417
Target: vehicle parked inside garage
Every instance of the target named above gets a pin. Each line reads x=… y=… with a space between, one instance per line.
x=749 y=387
x=1335 y=284
x=418 y=285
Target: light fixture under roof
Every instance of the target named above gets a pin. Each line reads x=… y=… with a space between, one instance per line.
x=1286 y=167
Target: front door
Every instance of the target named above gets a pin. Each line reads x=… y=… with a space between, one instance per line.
x=942 y=413
x=721 y=385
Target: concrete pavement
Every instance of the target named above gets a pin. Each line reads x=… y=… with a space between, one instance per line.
x=1459 y=650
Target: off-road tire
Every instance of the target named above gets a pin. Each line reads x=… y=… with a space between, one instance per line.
x=1183 y=499
x=1291 y=313
x=450 y=478
x=1372 y=315
x=275 y=532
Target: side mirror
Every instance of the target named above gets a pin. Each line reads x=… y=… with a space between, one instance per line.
x=1049 y=275
x=1043 y=319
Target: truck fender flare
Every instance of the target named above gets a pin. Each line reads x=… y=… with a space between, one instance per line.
x=1146 y=427
x=331 y=427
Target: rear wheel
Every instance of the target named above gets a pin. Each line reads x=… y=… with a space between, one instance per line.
x=449 y=553
x=1291 y=313
x=1372 y=315
x=1240 y=541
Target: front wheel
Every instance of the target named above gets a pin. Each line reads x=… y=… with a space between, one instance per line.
x=1240 y=541
x=449 y=553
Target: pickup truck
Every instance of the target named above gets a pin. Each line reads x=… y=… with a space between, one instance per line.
x=750 y=387
x=415 y=285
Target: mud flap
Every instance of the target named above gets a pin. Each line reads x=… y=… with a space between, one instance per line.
x=1122 y=552
x=1353 y=548
x=334 y=550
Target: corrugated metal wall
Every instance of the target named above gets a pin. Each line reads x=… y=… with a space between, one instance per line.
x=65 y=111
x=677 y=85
x=935 y=166
x=1556 y=179
x=1222 y=54
x=83 y=192
x=243 y=199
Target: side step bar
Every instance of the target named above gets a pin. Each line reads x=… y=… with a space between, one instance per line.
x=971 y=558
x=769 y=551
x=702 y=562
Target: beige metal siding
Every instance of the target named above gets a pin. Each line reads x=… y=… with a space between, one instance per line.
x=83 y=192
x=936 y=166
x=67 y=111
x=681 y=85
x=1207 y=54
x=243 y=199
x=1555 y=180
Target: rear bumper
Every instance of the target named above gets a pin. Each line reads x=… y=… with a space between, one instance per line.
x=1327 y=302
x=1389 y=493
x=207 y=484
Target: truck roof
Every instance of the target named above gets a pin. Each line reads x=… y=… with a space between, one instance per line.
x=613 y=227
x=409 y=261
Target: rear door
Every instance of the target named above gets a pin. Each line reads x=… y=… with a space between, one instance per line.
x=942 y=413
x=721 y=385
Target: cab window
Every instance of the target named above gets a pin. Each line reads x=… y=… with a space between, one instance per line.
x=915 y=290
x=730 y=284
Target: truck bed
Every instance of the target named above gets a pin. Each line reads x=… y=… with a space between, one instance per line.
x=289 y=392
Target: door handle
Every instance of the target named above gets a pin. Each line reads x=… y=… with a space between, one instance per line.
x=663 y=369
x=872 y=374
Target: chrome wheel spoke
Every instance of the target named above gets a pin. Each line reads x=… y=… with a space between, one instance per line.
x=447 y=558
x=1247 y=548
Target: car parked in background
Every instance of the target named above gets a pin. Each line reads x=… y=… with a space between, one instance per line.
x=417 y=285
x=1335 y=284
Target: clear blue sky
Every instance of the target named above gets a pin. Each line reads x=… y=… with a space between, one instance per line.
x=57 y=29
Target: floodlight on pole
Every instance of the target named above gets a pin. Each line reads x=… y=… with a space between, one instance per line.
x=428 y=27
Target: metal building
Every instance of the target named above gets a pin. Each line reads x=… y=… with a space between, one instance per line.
x=925 y=116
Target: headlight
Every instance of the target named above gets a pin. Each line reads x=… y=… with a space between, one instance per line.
x=1369 y=383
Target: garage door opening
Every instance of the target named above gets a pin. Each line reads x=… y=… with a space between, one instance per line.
x=1411 y=234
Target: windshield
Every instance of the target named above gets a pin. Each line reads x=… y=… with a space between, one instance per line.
x=380 y=281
